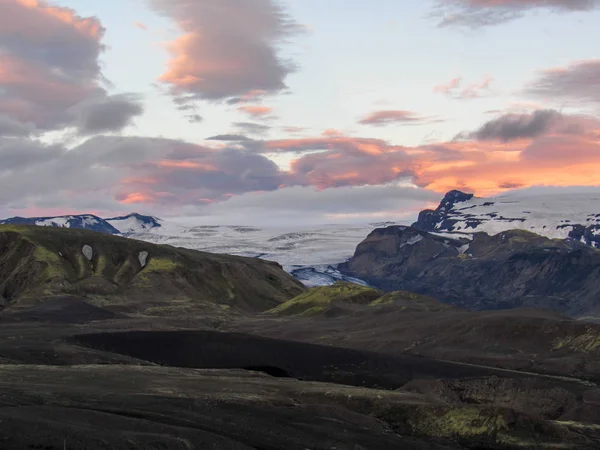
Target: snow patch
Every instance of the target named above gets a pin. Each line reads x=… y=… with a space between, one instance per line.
x=60 y=222
x=143 y=257
x=88 y=252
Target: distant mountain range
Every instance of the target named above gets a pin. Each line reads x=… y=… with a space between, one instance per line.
x=132 y=223
x=312 y=254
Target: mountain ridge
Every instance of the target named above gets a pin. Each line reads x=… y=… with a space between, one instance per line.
x=555 y=213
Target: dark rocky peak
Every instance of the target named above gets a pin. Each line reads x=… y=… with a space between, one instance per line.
x=430 y=219
x=452 y=198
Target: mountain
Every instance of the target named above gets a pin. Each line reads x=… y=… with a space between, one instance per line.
x=130 y=275
x=134 y=223
x=572 y=213
x=84 y=222
x=510 y=269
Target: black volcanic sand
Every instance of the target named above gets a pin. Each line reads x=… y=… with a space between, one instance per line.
x=98 y=388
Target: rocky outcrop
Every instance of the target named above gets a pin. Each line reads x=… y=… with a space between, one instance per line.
x=510 y=269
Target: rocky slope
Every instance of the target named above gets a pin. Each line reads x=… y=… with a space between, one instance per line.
x=572 y=213
x=402 y=322
x=511 y=269
x=129 y=275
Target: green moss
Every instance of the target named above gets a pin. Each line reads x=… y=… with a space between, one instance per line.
x=154 y=265
x=53 y=264
x=320 y=299
x=586 y=342
x=397 y=295
x=460 y=422
x=100 y=265
x=83 y=266
x=160 y=265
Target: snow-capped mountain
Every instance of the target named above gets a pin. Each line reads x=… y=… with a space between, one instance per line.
x=84 y=221
x=134 y=223
x=561 y=213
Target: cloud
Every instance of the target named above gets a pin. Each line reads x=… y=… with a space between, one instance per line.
x=106 y=113
x=578 y=82
x=478 y=13
x=252 y=128
x=517 y=126
x=309 y=206
x=255 y=110
x=453 y=89
x=140 y=25
x=387 y=117
x=14 y=128
x=162 y=173
x=48 y=61
x=228 y=137
x=227 y=49
x=165 y=176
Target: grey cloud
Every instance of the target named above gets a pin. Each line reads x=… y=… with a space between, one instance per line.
x=309 y=206
x=478 y=13
x=17 y=153
x=170 y=173
x=252 y=128
x=106 y=113
x=578 y=82
x=12 y=127
x=228 y=137
x=517 y=126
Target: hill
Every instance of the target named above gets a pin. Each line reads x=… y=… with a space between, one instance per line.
x=129 y=275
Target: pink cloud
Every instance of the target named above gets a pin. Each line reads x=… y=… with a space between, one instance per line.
x=227 y=48
x=454 y=88
x=140 y=25
x=49 y=61
x=255 y=110
x=386 y=117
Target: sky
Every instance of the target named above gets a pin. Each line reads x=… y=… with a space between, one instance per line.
x=292 y=111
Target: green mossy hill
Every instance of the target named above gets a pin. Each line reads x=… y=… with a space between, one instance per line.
x=133 y=275
x=411 y=302
x=486 y=427
x=344 y=298
x=327 y=300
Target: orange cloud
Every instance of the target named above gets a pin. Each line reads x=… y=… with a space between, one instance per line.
x=565 y=155
x=136 y=197
x=255 y=110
